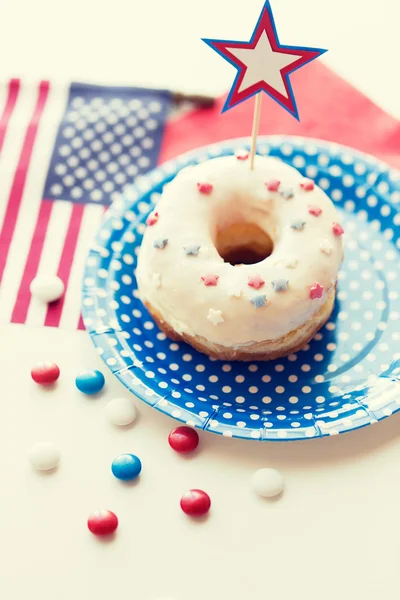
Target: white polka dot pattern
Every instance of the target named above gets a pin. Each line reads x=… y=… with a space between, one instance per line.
x=349 y=374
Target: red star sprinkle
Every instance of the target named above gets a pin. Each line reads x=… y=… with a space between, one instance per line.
x=307 y=185
x=316 y=291
x=256 y=282
x=205 y=188
x=242 y=155
x=152 y=219
x=314 y=210
x=337 y=229
x=210 y=279
x=273 y=185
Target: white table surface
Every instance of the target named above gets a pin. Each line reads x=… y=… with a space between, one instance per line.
x=335 y=532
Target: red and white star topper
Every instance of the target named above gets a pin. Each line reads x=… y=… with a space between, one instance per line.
x=263 y=65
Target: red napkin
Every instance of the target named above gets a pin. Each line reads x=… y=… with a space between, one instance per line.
x=330 y=109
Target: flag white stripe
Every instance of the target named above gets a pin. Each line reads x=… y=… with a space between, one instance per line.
x=51 y=254
x=91 y=219
x=34 y=185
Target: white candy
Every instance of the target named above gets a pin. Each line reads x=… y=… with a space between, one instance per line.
x=44 y=456
x=121 y=411
x=267 y=482
x=47 y=288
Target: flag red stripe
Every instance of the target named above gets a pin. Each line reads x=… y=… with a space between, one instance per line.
x=81 y=324
x=17 y=188
x=13 y=91
x=31 y=266
x=54 y=310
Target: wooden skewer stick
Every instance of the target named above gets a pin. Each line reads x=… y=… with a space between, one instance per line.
x=256 y=126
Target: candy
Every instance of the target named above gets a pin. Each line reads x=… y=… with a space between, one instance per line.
x=215 y=316
x=316 y=291
x=152 y=219
x=242 y=155
x=44 y=456
x=90 y=382
x=45 y=373
x=255 y=281
x=273 y=185
x=183 y=439
x=195 y=503
x=280 y=285
x=316 y=211
x=102 y=522
x=47 y=288
x=205 y=188
x=210 y=279
x=307 y=185
x=267 y=482
x=337 y=229
x=160 y=244
x=126 y=467
x=121 y=411
x=259 y=301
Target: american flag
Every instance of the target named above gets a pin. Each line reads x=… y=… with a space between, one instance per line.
x=65 y=154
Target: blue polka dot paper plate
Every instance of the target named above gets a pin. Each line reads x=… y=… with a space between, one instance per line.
x=349 y=374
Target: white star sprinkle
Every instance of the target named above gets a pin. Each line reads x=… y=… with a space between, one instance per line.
x=326 y=247
x=215 y=316
x=156 y=280
x=235 y=291
x=290 y=262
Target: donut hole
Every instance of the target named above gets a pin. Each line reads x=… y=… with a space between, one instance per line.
x=243 y=244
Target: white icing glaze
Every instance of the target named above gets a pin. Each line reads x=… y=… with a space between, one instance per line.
x=188 y=217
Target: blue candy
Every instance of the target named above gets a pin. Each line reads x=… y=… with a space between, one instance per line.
x=126 y=466
x=90 y=382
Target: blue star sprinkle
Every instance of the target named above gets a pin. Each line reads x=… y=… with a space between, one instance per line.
x=287 y=194
x=298 y=225
x=192 y=250
x=160 y=243
x=280 y=285
x=259 y=301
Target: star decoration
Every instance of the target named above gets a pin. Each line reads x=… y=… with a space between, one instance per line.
x=255 y=281
x=316 y=291
x=156 y=280
x=307 y=185
x=298 y=225
x=325 y=246
x=280 y=285
x=205 y=188
x=152 y=219
x=287 y=194
x=273 y=185
x=191 y=250
x=337 y=229
x=215 y=316
x=316 y=211
x=210 y=279
x=290 y=262
x=160 y=243
x=242 y=155
x=263 y=64
x=259 y=301
x=235 y=290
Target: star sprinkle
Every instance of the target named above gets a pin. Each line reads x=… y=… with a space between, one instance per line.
x=160 y=243
x=273 y=185
x=307 y=185
x=156 y=280
x=259 y=301
x=325 y=246
x=192 y=250
x=210 y=279
x=242 y=155
x=287 y=194
x=298 y=225
x=316 y=291
x=337 y=229
x=263 y=64
x=235 y=291
x=215 y=316
x=205 y=188
x=255 y=281
x=290 y=262
x=314 y=210
x=152 y=219
x=280 y=285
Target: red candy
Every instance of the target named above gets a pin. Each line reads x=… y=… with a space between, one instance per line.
x=307 y=185
x=273 y=185
x=242 y=155
x=316 y=291
x=255 y=281
x=45 y=373
x=337 y=229
x=152 y=219
x=210 y=279
x=102 y=522
x=205 y=188
x=314 y=210
x=195 y=503
x=183 y=439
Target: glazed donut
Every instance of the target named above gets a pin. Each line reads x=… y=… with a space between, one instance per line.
x=242 y=264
